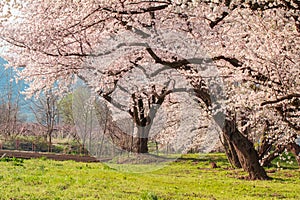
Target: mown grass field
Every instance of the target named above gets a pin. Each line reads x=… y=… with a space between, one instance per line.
x=189 y=178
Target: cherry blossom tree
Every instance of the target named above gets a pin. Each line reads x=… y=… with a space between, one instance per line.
x=254 y=44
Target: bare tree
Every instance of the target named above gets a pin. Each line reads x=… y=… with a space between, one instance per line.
x=10 y=105
x=46 y=114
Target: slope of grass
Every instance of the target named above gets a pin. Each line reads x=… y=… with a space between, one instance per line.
x=188 y=178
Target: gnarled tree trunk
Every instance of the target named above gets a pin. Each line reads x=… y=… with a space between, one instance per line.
x=246 y=153
x=231 y=153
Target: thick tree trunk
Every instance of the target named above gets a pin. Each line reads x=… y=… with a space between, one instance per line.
x=140 y=145
x=126 y=141
x=130 y=144
x=231 y=153
x=247 y=155
x=244 y=149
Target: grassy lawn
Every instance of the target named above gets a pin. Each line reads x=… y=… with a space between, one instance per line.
x=188 y=178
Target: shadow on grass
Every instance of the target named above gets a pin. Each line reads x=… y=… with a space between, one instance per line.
x=203 y=158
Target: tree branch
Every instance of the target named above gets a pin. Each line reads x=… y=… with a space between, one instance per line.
x=135 y=12
x=287 y=97
x=282 y=114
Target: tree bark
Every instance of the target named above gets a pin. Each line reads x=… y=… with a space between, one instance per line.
x=130 y=144
x=126 y=141
x=247 y=155
x=140 y=145
x=49 y=140
x=231 y=153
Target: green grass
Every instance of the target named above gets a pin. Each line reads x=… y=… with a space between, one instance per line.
x=188 y=178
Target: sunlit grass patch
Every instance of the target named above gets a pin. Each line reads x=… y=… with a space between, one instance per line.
x=190 y=177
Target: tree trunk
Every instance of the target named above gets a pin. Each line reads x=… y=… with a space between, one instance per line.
x=140 y=145
x=231 y=153
x=266 y=161
x=50 y=141
x=130 y=144
x=247 y=155
x=126 y=141
x=291 y=147
x=244 y=149
x=295 y=149
x=264 y=148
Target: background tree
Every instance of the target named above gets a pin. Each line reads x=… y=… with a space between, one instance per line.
x=10 y=105
x=46 y=114
x=66 y=110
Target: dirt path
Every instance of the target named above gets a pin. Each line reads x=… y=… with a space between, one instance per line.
x=60 y=157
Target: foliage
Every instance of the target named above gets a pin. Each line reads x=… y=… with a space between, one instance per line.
x=15 y=161
x=65 y=109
